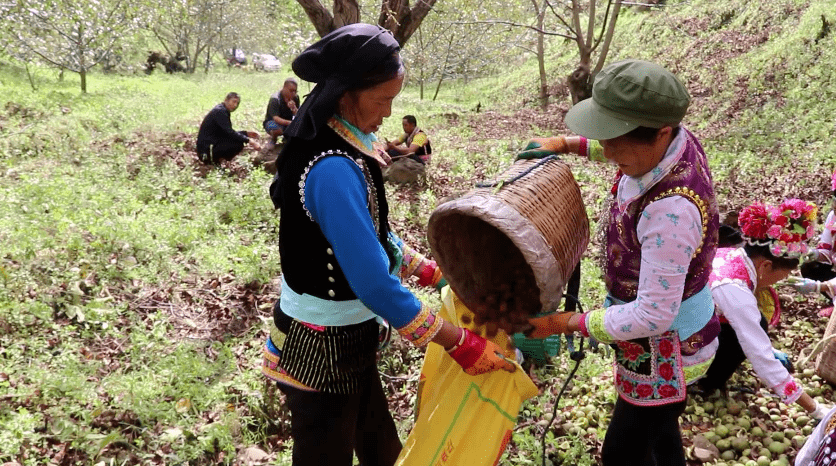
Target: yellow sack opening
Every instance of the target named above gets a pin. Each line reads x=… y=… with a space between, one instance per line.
x=463 y=419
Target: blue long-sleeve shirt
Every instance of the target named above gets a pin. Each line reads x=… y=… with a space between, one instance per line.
x=337 y=198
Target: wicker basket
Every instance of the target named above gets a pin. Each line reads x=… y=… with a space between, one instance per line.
x=530 y=228
x=826 y=361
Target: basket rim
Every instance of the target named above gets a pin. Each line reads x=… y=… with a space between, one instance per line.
x=523 y=234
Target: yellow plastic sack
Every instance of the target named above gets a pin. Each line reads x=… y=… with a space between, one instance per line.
x=463 y=419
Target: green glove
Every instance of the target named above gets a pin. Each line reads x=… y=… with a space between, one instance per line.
x=539 y=148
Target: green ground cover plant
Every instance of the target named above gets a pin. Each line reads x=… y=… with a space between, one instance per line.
x=135 y=286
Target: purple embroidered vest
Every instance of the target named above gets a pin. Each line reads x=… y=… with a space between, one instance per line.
x=689 y=178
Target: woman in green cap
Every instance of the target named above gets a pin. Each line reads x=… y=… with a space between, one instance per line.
x=661 y=235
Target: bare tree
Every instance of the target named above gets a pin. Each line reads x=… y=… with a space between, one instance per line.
x=580 y=81
x=395 y=15
x=191 y=29
x=590 y=39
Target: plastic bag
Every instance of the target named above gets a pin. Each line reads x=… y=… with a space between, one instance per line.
x=463 y=419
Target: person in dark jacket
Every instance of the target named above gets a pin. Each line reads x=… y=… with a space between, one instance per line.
x=216 y=140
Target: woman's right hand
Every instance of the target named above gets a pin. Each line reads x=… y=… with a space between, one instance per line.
x=805 y=285
x=477 y=355
x=539 y=148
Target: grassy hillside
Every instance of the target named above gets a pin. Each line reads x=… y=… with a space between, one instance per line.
x=136 y=283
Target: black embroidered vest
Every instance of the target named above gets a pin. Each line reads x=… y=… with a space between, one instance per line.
x=308 y=262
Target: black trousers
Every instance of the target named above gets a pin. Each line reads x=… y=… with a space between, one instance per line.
x=644 y=436
x=728 y=358
x=224 y=150
x=414 y=156
x=328 y=428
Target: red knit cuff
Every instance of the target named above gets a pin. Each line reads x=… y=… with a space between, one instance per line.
x=583 y=147
x=582 y=326
x=425 y=278
x=469 y=352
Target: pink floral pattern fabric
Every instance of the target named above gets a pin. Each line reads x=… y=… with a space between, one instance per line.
x=649 y=371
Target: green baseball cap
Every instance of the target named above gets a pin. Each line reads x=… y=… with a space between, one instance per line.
x=628 y=94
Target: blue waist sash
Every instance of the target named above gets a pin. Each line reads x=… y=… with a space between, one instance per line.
x=318 y=311
x=694 y=312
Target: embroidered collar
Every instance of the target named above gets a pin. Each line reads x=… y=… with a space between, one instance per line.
x=631 y=188
x=358 y=139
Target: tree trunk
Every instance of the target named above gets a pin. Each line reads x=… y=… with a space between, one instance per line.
x=602 y=55
x=320 y=17
x=82 y=66
x=422 y=64
x=396 y=16
x=29 y=75
x=541 y=54
x=208 y=61
x=580 y=83
x=345 y=12
x=443 y=67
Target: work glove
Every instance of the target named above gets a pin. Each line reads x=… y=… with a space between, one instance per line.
x=784 y=360
x=820 y=411
x=479 y=356
x=549 y=324
x=805 y=285
x=539 y=148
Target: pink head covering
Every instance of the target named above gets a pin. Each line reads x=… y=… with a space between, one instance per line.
x=785 y=229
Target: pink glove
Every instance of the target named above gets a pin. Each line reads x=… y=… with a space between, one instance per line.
x=478 y=356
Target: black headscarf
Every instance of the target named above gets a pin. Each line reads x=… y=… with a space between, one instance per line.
x=336 y=63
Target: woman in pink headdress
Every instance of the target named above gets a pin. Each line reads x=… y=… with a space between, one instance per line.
x=775 y=239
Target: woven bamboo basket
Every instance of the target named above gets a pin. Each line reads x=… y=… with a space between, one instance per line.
x=826 y=361
x=523 y=234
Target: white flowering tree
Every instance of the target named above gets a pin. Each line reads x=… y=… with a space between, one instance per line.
x=72 y=35
x=198 y=29
x=191 y=28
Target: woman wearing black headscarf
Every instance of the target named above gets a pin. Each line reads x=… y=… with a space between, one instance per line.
x=337 y=254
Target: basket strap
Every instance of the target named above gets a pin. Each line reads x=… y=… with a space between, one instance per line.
x=499 y=184
x=817 y=348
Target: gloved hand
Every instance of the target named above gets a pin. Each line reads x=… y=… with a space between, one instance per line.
x=784 y=359
x=539 y=148
x=805 y=285
x=820 y=411
x=549 y=324
x=479 y=356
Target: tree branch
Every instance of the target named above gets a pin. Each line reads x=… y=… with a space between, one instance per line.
x=560 y=18
x=320 y=17
x=511 y=23
x=610 y=32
